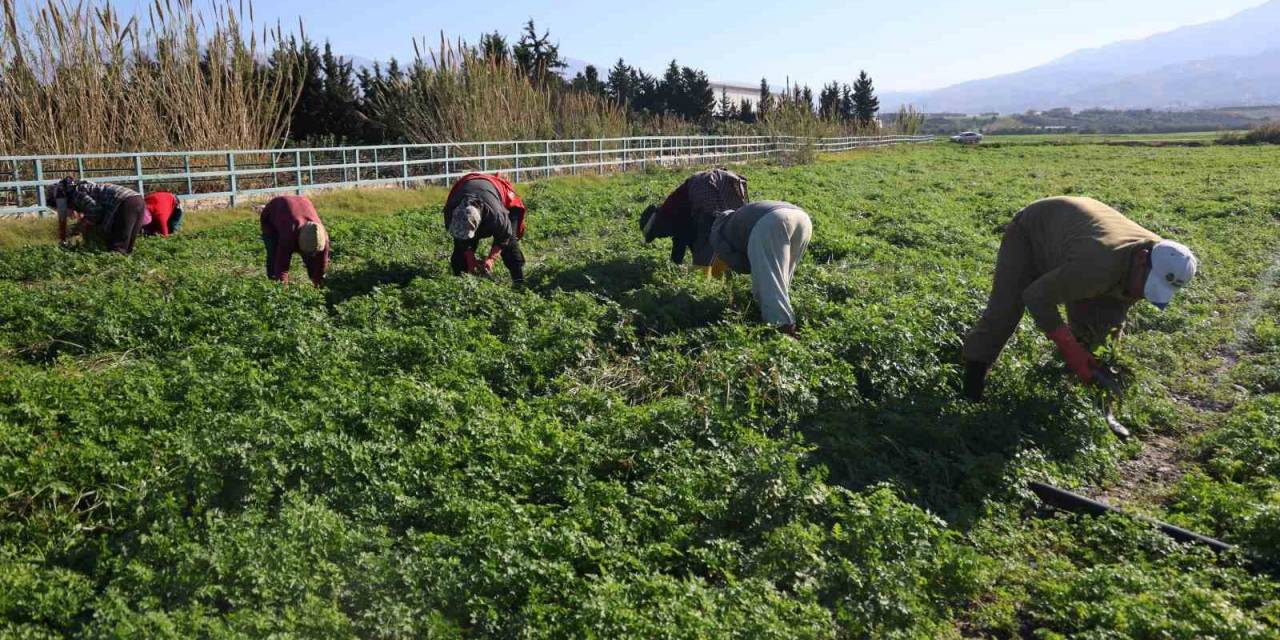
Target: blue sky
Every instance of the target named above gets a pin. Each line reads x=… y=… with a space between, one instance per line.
x=907 y=45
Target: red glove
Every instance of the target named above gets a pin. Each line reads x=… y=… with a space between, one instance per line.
x=487 y=265
x=1081 y=362
x=470 y=258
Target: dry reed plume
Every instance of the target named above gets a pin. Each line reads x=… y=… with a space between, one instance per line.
x=76 y=77
x=454 y=94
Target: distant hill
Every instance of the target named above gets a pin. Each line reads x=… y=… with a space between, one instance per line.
x=1229 y=62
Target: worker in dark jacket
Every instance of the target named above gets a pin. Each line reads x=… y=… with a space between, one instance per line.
x=483 y=206
x=166 y=213
x=117 y=213
x=1080 y=253
x=688 y=212
x=766 y=239
x=291 y=225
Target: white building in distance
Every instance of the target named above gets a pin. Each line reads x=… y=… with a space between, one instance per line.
x=737 y=92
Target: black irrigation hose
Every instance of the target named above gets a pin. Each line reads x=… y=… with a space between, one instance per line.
x=1063 y=499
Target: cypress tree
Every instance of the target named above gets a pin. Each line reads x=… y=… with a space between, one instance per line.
x=865 y=102
x=621 y=86
x=339 y=113
x=766 y=100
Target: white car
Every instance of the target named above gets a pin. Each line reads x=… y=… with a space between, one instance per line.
x=968 y=137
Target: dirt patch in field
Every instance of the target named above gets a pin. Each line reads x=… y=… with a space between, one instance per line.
x=1165 y=459
x=1145 y=478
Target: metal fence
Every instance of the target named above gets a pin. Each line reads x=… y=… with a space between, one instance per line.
x=217 y=177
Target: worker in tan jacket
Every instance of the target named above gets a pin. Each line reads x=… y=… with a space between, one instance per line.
x=1080 y=253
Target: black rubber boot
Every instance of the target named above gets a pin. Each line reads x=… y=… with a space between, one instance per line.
x=975 y=379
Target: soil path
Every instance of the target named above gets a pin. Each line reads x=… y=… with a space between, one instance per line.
x=1164 y=459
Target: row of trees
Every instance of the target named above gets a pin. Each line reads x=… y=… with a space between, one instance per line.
x=844 y=103
x=340 y=104
x=191 y=79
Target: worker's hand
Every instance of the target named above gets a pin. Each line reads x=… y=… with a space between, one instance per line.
x=77 y=228
x=1080 y=361
x=1106 y=379
x=484 y=268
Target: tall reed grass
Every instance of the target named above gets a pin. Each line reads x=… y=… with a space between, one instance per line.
x=452 y=93
x=76 y=77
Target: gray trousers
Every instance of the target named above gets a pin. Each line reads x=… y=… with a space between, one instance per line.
x=775 y=247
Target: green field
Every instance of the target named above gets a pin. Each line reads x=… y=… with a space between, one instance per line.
x=621 y=449
x=1203 y=137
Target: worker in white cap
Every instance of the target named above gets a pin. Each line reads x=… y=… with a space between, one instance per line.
x=291 y=225
x=1078 y=253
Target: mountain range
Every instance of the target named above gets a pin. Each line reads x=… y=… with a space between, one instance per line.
x=1229 y=62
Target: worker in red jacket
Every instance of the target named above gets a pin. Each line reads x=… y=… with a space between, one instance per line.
x=485 y=206
x=290 y=224
x=166 y=214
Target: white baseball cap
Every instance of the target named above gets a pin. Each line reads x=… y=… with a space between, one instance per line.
x=1172 y=267
x=312 y=238
x=464 y=222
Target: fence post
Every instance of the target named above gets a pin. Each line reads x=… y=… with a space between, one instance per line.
x=137 y=171
x=516 y=153
x=231 y=171
x=186 y=168
x=404 y=167
x=547 y=164
x=600 y=166
x=446 y=163
x=356 y=153
x=297 y=172
x=377 y=170
x=573 y=158
x=311 y=167
x=275 y=177
x=484 y=157
x=80 y=168
x=39 y=185
x=345 y=176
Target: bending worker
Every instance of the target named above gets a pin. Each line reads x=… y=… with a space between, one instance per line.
x=766 y=239
x=1080 y=253
x=688 y=212
x=166 y=214
x=485 y=206
x=117 y=213
x=291 y=225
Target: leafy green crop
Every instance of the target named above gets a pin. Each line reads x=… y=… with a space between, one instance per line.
x=620 y=449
